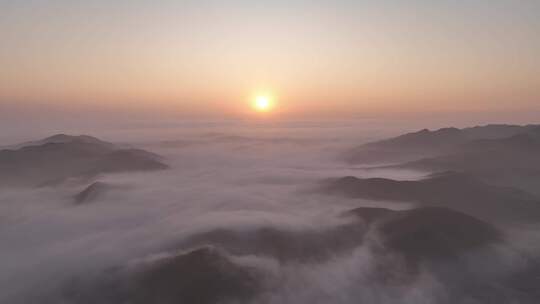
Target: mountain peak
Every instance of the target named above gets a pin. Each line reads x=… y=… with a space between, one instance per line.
x=65 y=138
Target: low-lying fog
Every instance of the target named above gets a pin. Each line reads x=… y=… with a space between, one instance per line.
x=219 y=178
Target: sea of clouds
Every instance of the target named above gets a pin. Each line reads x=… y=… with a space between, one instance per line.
x=238 y=178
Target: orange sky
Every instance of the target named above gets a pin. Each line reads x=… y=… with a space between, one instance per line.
x=314 y=57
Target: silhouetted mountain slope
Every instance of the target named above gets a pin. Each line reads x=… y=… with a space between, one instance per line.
x=512 y=161
x=204 y=275
x=60 y=157
x=527 y=281
x=405 y=245
x=410 y=146
x=91 y=193
x=496 y=131
x=447 y=245
x=426 y=143
x=453 y=190
x=453 y=248
x=428 y=232
x=286 y=246
x=434 y=232
x=62 y=139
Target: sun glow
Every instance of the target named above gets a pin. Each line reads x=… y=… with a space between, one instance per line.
x=263 y=103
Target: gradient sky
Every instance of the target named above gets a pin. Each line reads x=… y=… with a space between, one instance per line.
x=315 y=57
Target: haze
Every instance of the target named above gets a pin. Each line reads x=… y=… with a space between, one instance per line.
x=270 y=152
x=319 y=58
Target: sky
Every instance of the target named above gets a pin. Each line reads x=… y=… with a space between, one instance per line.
x=314 y=58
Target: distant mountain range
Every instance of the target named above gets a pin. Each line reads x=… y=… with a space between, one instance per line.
x=59 y=157
x=511 y=160
x=500 y=154
x=426 y=143
x=450 y=189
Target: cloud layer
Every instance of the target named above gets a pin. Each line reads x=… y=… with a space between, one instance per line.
x=241 y=184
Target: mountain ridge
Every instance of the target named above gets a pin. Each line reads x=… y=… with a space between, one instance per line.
x=59 y=157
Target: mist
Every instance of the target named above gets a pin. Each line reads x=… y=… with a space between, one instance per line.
x=232 y=182
x=270 y=152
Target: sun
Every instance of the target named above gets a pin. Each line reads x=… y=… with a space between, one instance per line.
x=262 y=103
